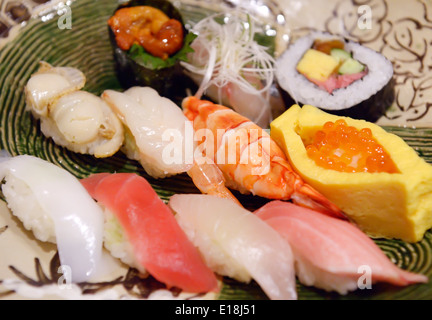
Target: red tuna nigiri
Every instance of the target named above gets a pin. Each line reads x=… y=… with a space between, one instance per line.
x=157 y=241
x=330 y=253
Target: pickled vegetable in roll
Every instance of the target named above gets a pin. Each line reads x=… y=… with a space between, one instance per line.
x=339 y=76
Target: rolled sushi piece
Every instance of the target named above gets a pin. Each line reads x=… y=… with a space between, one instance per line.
x=141 y=230
x=149 y=40
x=338 y=76
x=237 y=244
x=332 y=254
x=53 y=204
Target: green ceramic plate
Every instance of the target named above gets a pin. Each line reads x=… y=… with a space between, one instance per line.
x=86 y=47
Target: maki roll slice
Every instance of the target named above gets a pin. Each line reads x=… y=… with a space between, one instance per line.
x=337 y=75
x=149 y=40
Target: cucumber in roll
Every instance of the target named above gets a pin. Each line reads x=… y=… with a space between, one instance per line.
x=337 y=75
x=149 y=41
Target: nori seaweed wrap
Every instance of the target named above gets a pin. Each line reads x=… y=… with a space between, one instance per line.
x=366 y=97
x=138 y=67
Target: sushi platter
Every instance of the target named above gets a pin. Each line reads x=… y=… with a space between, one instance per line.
x=300 y=64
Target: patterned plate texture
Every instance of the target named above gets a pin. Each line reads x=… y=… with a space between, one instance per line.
x=86 y=46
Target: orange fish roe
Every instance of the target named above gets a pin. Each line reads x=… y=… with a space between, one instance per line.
x=346 y=149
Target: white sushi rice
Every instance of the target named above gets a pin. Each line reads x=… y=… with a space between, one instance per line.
x=301 y=90
x=215 y=257
x=116 y=242
x=53 y=204
x=25 y=206
x=311 y=275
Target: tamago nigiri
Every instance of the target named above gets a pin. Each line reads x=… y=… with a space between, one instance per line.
x=332 y=254
x=147 y=235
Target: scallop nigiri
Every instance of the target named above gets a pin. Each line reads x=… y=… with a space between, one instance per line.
x=77 y=120
x=53 y=204
x=50 y=83
x=148 y=236
x=157 y=130
x=236 y=243
x=82 y=122
x=332 y=254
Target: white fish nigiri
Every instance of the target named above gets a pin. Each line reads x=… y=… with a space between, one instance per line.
x=157 y=130
x=54 y=205
x=330 y=253
x=236 y=243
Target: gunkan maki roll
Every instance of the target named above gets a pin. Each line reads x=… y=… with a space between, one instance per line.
x=336 y=75
x=149 y=40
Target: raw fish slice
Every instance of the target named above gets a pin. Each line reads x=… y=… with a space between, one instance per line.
x=53 y=204
x=331 y=253
x=159 y=244
x=157 y=131
x=236 y=243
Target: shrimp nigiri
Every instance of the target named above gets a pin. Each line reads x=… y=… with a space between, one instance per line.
x=236 y=243
x=271 y=176
x=150 y=238
x=332 y=254
x=53 y=204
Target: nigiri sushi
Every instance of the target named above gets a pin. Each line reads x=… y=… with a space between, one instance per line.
x=147 y=235
x=48 y=84
x=53 y=204
x=82 y=122
x=156 y=133
x=77 y=120
x=236 y=243
x=330 y=253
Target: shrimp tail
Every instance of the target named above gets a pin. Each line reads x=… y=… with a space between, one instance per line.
x=209 y=180
x=306 y=196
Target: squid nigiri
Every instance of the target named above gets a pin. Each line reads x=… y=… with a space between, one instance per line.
x=332 y=254
x=236 y=243
x=53 y=204
x=148 y=236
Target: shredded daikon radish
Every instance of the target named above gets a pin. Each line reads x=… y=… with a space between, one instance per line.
x=226 y=54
